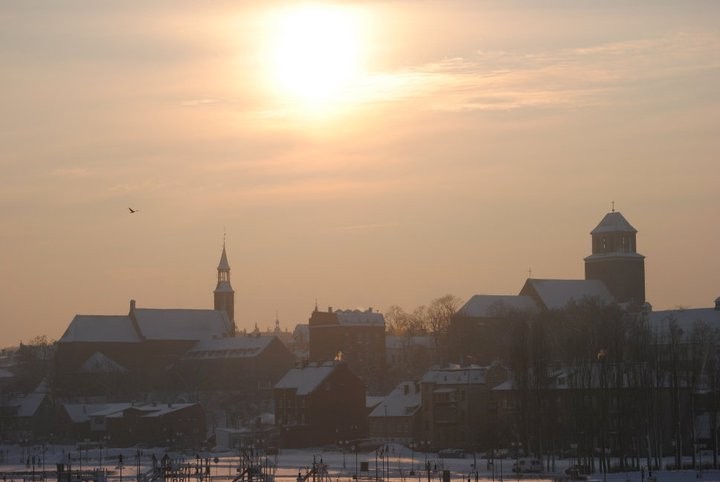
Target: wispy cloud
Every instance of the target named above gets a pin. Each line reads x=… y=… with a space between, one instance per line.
x=365 y=227
x=71 y=172
x=505 y=80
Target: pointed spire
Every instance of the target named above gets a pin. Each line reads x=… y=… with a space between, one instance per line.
x=223 y=265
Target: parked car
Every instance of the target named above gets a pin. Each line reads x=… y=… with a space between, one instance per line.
x=528 y=466
x=451 y=454
x=575 y=471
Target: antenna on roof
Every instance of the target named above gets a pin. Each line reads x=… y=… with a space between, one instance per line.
x=613 y=206
x=529 y=272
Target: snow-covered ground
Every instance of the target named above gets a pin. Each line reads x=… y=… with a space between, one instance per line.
x=400 y=465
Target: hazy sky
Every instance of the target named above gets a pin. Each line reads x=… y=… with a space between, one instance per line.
x=464 y=143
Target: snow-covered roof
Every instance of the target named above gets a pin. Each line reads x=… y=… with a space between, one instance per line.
x=485 y=306
x=404 y=400
x=455 y=376
x=82 y=412
x=305 y=379
x=100 y=363
x=613 y=222
x=358 y=317
x=231 y=347
x=684 y=319
x=557 y=293
x=182 y=324
x=100 y=328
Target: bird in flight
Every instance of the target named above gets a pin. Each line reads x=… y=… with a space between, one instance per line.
x=133 y=211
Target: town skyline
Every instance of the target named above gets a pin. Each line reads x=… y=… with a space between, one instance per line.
x=469 y=145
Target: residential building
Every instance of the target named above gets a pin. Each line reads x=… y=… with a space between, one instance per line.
x=357 y=337
x=319 y=403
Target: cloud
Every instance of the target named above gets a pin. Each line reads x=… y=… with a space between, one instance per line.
x=506 y=80
x=71 y=172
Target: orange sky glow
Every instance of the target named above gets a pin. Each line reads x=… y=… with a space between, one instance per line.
x=358 y=153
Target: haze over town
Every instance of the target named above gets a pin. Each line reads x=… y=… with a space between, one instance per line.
x=462 y=144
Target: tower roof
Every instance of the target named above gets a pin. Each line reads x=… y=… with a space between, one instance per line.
x=614 y=222
x=223 y=265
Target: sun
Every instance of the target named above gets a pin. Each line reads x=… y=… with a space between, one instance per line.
x=316 y=53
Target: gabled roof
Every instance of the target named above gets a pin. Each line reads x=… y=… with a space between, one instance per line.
x=231 y=347
x=97 y=328
x=403 y=401
x=684 y=319
x=614 y=222
x=27 y=405
x=100 y=363
x=182 y=324
x=358 y=317
x=488 y=306
x=305 y=379
x=82 y=412
x=557 y=293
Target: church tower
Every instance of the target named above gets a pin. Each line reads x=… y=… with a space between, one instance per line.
x=615 y=260
x=224 y=294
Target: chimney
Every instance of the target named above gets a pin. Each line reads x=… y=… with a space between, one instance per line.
x=370 y=310
x=329 y=309
x=132 y=306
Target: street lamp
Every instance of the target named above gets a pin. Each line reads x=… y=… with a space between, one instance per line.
x=412 y=458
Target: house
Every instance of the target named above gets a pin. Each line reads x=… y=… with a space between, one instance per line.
x=457 y=405
x=318 y=403
x=248 y=363
x=26 y=416
x=358 y=337
x=397 y=418
x=125 y=424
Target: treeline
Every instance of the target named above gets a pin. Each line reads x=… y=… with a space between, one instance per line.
x=595 y=381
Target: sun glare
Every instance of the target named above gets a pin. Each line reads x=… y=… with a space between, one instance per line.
x=316 y=54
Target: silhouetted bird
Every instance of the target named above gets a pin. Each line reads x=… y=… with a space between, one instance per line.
x=133 y=211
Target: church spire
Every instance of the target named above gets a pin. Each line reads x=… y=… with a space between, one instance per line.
x=224 y=294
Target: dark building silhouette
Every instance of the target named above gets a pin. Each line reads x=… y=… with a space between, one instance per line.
x=319 y=403
x=615 y=260
x=251 y=364
x=357 y=337
x=486 y=327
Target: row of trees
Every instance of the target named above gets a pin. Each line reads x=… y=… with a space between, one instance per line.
x=598 y=380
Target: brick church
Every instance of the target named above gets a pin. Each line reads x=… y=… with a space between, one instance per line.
x=614 y=273
x=172 y=349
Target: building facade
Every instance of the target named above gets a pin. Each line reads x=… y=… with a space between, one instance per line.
x=356 y=337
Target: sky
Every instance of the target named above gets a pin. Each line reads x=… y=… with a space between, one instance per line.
x=361 y=154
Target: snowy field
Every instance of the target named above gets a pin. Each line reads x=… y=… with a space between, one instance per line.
x=401 y=465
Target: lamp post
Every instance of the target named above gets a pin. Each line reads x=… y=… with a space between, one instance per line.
x=412 y=458
x=138 y=454
x=344 y=449
x=355 y=448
